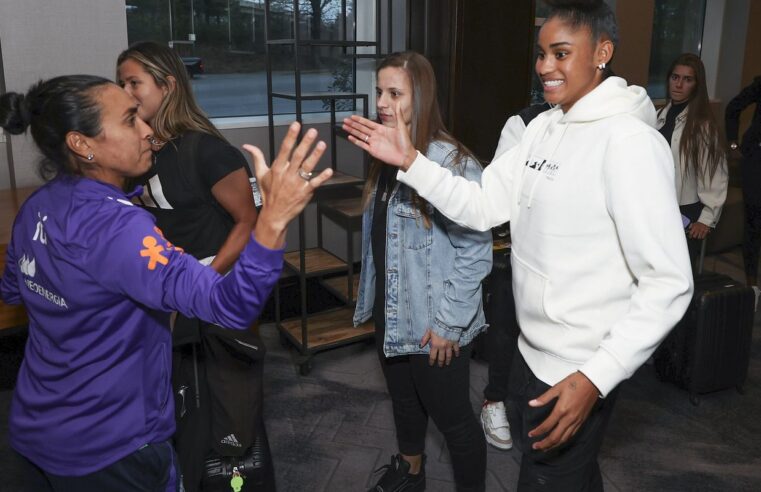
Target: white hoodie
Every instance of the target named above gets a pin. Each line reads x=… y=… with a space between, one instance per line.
x=601 y=271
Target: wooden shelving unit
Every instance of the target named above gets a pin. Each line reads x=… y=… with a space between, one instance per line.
x=311 y=333
x=10 y=202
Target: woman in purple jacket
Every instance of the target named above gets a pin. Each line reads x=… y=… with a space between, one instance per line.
x=92 y=408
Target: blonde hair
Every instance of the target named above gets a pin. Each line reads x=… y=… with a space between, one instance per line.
x=179 y=112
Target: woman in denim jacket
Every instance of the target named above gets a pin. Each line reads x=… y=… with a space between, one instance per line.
x=427 y=307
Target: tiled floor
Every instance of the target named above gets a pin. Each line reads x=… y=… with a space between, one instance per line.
x=329 y=430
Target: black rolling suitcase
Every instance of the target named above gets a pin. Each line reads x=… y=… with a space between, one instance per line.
x=709 y=349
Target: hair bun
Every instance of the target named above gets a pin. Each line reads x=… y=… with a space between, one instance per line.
x=14 y=113
x=575 y=4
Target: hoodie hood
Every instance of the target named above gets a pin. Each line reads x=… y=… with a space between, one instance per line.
x=612 y=97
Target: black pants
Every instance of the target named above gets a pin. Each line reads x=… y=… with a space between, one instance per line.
x=750 y=169
x=418 y=390
x=150 y=469
x=692 y=212
x=502 y=335
x=572 y=467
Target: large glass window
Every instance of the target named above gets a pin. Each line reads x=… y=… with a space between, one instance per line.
x=677 y=29
x=222 y=43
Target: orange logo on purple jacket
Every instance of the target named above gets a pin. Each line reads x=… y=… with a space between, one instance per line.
x=153 y=249
x=153 y=252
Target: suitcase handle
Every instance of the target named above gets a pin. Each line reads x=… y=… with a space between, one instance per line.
x=702 y=254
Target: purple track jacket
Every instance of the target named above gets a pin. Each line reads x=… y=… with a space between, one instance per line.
x=98 y=278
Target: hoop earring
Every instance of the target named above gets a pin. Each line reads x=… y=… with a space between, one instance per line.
x=601 y=66
x=90 y=157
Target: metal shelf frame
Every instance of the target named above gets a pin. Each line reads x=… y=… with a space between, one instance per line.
x=300 y=46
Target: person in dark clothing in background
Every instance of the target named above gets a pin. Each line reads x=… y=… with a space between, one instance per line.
x=503 y=331
x=750 y=152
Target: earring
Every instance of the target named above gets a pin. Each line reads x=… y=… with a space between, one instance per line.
x=90 y=157
x=601 y=66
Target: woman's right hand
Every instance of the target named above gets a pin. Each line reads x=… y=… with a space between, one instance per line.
x=390 y=145
x=285 y=192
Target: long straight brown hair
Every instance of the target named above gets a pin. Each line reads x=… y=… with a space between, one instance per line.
x=427 y=124
x=179 y=112
x=702 y=146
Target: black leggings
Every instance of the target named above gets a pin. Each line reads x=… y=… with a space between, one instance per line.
x=502 y=335
x=692 y=212
x=418 y=390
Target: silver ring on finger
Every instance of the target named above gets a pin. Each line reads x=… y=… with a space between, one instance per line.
x=306 y=176
x=367 y=137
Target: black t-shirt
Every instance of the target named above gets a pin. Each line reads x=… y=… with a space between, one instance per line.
x=386 y=183
x=179 y=194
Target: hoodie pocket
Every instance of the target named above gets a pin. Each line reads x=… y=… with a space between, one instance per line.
x=529 y=288
x=414 y=233
x=532 y=292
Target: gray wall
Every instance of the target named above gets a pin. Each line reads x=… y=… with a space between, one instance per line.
x=44 y=38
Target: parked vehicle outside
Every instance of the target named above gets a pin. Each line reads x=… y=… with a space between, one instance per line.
x=194 y=65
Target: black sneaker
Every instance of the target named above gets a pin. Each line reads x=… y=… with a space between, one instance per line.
x=396 y=477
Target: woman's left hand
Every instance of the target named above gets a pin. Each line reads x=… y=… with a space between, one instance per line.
x=576 y=396
x=441 y=348
x=698 y=230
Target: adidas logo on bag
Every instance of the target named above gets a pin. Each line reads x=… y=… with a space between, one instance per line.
x=231 y=441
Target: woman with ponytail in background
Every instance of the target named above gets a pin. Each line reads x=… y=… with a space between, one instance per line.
x=421 y=283
x=92 y=409
x=599 y=258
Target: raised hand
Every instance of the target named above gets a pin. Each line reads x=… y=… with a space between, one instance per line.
x=390 y=145
x=288 y=185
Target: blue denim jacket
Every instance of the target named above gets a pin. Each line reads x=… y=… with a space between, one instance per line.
x=433 y=275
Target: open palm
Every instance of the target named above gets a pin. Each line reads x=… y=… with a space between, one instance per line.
x=390 y=145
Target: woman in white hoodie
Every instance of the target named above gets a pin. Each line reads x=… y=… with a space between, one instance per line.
x=700 y=159
x=600 y=265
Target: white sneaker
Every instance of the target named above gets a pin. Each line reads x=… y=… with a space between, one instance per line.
x=496 y=427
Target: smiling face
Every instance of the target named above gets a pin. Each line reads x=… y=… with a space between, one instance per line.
x=141 y=85
x=393 y=88
x=682 y=84
x=567 y=62
x=121 y=149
